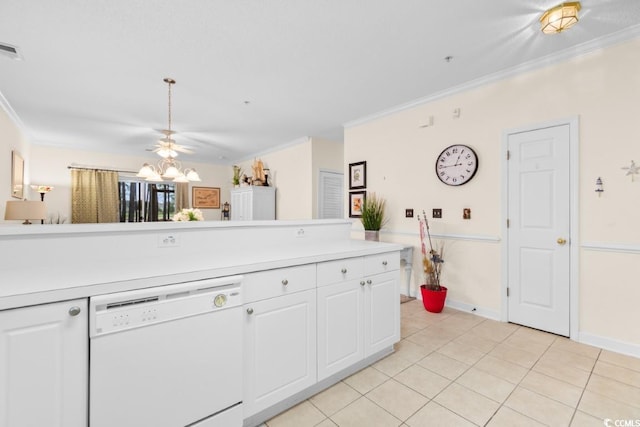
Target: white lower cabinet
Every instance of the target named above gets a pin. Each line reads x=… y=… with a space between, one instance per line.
x=340 y=327
x=356 y=317
x=279 y=339
x=382 y=312
x=44 y=365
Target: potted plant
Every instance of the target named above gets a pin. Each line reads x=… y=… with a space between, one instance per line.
x=433 y=293
x=237 y=172
x=373 y=217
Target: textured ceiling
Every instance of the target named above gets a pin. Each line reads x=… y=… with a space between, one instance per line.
x=256 y=74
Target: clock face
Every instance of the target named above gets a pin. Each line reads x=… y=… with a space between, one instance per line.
x=456 y=165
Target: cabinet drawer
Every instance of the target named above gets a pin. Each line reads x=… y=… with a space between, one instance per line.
x=282 y=281
x=340 y=270
x=375 y=264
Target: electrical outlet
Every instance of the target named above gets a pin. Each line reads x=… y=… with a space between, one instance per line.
x=408 y=213
x=300 y=232
x=436 y=213
x=168 y=241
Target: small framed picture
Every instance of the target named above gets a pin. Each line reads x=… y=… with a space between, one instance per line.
x=205 y=197
x=17 y=175
x=357 y=175
x=356 y=199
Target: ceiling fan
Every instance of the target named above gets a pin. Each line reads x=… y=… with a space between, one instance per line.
x=168 y=147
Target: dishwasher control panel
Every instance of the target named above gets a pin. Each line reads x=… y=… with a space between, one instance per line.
x=134 y=309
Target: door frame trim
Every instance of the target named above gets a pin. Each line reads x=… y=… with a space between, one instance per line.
x=574 y=217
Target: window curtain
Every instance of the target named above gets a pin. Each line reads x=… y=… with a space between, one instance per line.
x=182 y=196
x=94 y=196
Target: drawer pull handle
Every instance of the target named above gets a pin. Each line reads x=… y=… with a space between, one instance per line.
x=344 y=270
x=369 y=282
x=74 y=311
x=362 y=283
x=249 y=310
x=285 y=282
x=384 y=263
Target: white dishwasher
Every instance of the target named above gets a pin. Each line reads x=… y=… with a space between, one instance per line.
x=167 y=356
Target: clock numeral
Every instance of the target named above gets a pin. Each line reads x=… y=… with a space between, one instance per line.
x=455 y=179
x=442 y=173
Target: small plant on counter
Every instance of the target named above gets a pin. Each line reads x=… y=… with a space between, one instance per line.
x=188 y=215
x=431 y=260
x=373 y=217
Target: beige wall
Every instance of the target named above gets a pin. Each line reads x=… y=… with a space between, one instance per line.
x=602 y=89
x=49 y=166
x=294 y=172
x=11 y=138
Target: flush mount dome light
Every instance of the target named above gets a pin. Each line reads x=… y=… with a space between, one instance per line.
x=560 y=17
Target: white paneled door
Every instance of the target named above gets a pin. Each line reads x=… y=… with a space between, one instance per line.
x=539 y=228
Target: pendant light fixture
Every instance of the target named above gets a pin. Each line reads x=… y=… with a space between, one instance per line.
x=168 y=168
x=560 y=17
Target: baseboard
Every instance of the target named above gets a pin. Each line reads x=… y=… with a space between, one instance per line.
x=468 y=308
x=611 y=344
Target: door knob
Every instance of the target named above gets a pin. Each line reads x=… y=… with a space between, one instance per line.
x=343 y=271
x=561 y=241
x=249 y=310
x=74 y=311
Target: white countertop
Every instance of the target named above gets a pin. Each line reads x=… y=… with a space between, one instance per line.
x=53 y=263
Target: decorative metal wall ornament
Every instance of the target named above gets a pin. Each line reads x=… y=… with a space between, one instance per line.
x=632 y=170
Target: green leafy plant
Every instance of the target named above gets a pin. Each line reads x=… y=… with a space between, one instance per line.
x=373 y=216
x=237 y=172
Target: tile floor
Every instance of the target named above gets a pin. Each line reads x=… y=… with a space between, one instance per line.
x=458 y=369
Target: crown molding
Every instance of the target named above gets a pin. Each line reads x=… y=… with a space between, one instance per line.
x=555 y=58
x=11 y=113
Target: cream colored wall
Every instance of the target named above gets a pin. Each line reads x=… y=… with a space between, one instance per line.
x=326 y=155
x=290 y=169
x=11 y=138
x=602 y=89
x=49 y=166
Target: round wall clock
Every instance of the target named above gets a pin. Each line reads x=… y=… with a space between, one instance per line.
x=456 y=165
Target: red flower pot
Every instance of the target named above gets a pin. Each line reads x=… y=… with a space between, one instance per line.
x=433 y=301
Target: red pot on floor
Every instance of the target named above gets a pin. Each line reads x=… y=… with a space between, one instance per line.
x=433 y=301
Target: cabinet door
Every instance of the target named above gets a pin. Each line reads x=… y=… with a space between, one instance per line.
x=236 y=205
x=340 y=326
x=382 y=312
x=43 y=365
x=280 y=349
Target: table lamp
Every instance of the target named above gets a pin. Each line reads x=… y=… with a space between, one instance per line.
x=25 y=210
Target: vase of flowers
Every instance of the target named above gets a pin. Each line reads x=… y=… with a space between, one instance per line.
x=188 y=215
x=433 y=293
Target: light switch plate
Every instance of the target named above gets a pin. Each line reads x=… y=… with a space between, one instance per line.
x=436 y=213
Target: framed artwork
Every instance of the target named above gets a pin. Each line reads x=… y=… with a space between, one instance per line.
x=356 y=199
x=357 y=175
x=17 y=175
x=205 y=197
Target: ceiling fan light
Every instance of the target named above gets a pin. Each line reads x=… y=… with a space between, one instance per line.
x=165 y=153
x=171 y=172
x=146 y=171
x=560 y=17
x=192 y=175
x=154 y=177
